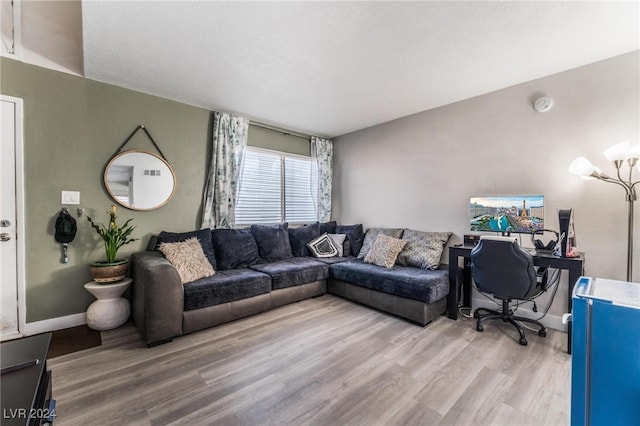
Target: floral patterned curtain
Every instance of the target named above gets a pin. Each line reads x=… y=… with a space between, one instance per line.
x=322 y=154
x=229 y=143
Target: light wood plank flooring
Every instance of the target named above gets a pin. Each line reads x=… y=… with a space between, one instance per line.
x=323 y=361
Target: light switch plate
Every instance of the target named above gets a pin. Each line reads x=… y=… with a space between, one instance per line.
x=70 y=197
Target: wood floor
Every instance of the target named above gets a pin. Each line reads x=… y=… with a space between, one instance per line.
x=323 y=361
x=72 y=340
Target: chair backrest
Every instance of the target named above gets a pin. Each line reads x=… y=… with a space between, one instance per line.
x=501 y=267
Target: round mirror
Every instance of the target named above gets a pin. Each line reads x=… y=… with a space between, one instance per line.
x=139 y=180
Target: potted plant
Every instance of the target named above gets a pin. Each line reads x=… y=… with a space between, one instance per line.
x=114 y=237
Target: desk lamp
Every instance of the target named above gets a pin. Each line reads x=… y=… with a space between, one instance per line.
x=617 y=154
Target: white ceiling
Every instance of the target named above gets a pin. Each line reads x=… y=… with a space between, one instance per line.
x=330 y=68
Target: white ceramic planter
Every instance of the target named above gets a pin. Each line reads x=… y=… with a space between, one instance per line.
x=110 y=310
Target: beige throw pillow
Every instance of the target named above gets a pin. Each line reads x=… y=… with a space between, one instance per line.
x=384 y=251
x=371 y=236
x=188 y=258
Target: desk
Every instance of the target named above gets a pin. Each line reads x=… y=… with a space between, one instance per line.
x=574 y=265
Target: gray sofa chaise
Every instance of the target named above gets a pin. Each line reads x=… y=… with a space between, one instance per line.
x=418 y=295
x=265 y=267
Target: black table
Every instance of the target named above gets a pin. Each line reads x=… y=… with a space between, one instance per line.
x=26 y=383
x=461 y=282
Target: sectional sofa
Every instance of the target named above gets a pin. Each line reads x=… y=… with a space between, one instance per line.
x=264 y=267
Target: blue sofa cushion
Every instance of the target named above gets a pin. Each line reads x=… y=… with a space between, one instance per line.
x=332 y=260
x=299 y=237
x=293 y=272
x=355 y=237
x=412 y=283
x=273 y=241
x=225 y=286
x=203 y=235
x=328 y=227
x=234 y=248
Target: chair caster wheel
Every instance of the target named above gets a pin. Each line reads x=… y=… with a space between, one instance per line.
x=523 y=341
x=542 y=333
x=479 y=327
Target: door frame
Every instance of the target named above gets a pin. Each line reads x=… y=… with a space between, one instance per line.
x=20 y=213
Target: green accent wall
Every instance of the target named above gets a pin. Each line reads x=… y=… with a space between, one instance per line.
x=261 y=137
x=72 y=126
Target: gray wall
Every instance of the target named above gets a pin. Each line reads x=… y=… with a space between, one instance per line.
x=72 y=126
x=419 y=171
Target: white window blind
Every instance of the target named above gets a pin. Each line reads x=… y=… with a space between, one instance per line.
x=260 y=193
x=275 y=187
x=299 y=200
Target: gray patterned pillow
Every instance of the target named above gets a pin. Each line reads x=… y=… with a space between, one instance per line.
x=384 y=251
x=423 y=249
x=338 y=241
x=323 y=246
x=373 y=234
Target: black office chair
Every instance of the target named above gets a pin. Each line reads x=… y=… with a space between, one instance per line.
x=501 y=267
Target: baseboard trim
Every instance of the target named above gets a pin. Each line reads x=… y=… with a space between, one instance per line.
x=549 y=321
x=53 y=324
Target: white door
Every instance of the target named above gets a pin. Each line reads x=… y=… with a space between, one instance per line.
x=12 y=288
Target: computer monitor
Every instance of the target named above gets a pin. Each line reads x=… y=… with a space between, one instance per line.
x=522 y=214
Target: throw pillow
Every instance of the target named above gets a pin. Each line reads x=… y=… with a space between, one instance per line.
x=328 y=227
x=372 y=235
x=355 y=237
x=338 y=241
x=235 y=248
x=188 y=259
x=423 y=249
x=346 y=247
x=299 y=237
x=273 y=241
x=153 y=243
x=384 y=251
x=203 y=235
x=323 y=246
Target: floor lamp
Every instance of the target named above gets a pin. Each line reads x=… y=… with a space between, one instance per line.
x=618 y=154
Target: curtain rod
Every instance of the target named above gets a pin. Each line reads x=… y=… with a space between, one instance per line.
x=275 y=129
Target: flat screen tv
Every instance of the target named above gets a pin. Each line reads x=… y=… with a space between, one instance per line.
x=507 y=214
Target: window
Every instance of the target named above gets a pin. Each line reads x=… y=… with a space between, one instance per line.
x=299 y=190
x=275 y=187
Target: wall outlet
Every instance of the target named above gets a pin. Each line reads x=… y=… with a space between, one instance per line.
x=70 y=197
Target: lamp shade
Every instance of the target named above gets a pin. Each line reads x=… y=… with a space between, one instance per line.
x=633 y=152
x=581 y=167
x=618 y=152
x=597 y=171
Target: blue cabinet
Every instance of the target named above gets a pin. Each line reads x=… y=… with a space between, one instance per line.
x=605 y=368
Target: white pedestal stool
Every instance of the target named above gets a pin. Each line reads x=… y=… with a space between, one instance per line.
x=110 y=310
